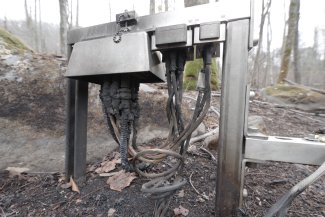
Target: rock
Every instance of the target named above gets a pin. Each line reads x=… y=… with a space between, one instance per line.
x=146 y=88
x=150 y=132
x=256 y=125
x=11 y=59
x=252 y=94
x=211 y=142
x=245 y=193
x=299 y=97
x=213 y=176
x=201 y=129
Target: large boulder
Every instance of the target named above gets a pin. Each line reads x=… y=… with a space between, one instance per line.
x=295 y=96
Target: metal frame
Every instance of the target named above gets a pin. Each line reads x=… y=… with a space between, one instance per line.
x=235 y=147
x=232 y=117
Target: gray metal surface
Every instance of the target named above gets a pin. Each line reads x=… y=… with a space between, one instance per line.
x=69 y=124
x=219 y=11
x=209 y=30
x=103 y=56
x=189 y=42
x=232 y=118
x=221 y=38
x=80 y=132
x=171 y=35
x=285 y=149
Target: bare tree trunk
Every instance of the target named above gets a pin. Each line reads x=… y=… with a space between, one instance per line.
x=268 y=73
x=28 y=16
x=152 y=7
x=63 y=25
x=40 y=28
x=190 y=3
x=110 y=10
x=36 y=40
x=71 y=15
x=288 y=45
x=256 y=69
x=77 y=13
x=166 y=5
x=296 y=56
x=5 y=23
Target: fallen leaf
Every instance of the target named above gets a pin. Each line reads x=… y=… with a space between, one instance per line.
x=107 y=174
x=74 y=186
x=181 y=193
x=16 y=171
x=111 y=212
x=66 y=185
x=107 y=166
x=92 y=168
x=120 y=180
x=78 y=201
x=181 y=211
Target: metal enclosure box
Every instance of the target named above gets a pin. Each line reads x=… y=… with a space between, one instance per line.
x=176 y=34
x=96 y=59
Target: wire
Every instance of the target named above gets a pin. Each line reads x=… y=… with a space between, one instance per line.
x=282 y=205
x=120 y=105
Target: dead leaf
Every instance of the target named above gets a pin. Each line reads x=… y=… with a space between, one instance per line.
x=107 y=174
x=16 y=171
x=92 y=168
x=66 y=185
x=74 y=186
x=78 y=201
x=111 y=212
x=107 y=166
x=181 y=211
x=120 y=180
x=181 y=193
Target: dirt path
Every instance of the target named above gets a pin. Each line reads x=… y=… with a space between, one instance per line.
x=22 y=146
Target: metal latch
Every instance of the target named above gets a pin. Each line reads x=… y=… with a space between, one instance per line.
x=124 y=21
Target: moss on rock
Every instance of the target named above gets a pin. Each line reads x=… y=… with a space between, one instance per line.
x=192 y=68
x=11 y=42
x=297 y=96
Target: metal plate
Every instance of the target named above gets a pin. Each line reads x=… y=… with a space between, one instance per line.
x=189 y=43
x=285 y=149
x=209 y=30
x=219 y=11
x=197 y=39
x=171 y=35
x=105 y=57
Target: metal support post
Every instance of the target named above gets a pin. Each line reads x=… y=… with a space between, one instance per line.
x=232 y=118
x=69 y=127
x=80 y=133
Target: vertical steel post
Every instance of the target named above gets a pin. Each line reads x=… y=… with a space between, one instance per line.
x=232 y=118
x=69 y=125
x=80 y=133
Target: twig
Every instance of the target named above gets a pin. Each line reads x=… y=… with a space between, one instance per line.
x=41 y=173
x=263 y=174
x=282 y=205
x=215 y=111
x=189 y=97
x=291 y=108
x=91 y=193
x=196 y=191
x=208 y=152
x=203 y=136
x=3 y=213
x=304 y=115
x=304 y=86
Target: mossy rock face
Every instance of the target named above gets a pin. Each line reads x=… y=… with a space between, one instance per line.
x=11 y=42
x=192 y=68
x=297 y=96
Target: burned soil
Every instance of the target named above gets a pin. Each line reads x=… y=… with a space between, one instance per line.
x=43 y=195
